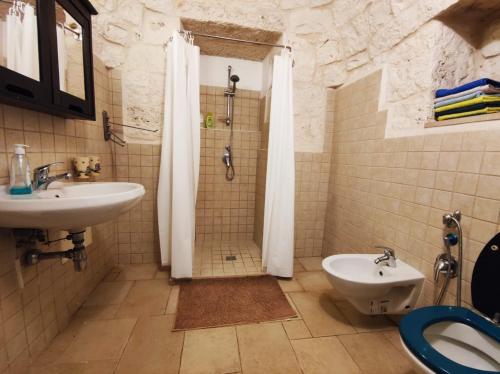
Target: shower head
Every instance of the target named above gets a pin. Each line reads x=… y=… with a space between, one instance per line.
x=234 y=78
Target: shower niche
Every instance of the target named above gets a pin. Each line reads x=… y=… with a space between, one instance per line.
x=46 y=56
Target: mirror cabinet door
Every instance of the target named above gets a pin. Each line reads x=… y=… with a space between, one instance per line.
x=24 y=65
x=73 y=72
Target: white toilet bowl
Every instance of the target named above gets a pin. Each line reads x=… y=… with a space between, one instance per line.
x=372 y=288
x=446 y=339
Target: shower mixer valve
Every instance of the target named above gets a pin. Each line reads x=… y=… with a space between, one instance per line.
x=226 y=158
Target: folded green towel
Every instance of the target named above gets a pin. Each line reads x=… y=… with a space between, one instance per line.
x=469 y=108
x=465 y=103
x=471 y=113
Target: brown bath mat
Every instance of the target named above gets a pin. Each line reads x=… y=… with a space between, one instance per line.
x=215 y=302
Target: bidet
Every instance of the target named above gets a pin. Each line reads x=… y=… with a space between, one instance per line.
x=374 y=288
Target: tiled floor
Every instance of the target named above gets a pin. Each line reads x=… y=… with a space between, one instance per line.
x=125 y=327
x=210 y=258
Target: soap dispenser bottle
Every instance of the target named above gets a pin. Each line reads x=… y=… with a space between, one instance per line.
x=20 y=173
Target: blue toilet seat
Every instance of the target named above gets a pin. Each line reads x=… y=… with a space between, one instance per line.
x=412 y=327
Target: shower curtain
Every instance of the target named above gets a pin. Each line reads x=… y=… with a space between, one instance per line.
x=180 y=157
x=278 y=236
x=20 y=42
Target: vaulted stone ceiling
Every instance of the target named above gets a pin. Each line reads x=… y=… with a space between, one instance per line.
x=471 y=19
x=226 y=48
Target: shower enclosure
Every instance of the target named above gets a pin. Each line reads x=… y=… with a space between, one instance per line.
x=225 y=207
x=219 y=199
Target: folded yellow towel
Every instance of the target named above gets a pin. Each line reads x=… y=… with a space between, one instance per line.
x=476 y=100
x=471 y=113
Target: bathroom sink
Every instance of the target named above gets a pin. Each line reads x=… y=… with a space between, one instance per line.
x=68 y=206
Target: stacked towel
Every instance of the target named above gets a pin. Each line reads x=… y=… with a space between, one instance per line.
x=474 y=98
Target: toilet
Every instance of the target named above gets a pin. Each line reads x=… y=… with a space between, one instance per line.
x=456 y=340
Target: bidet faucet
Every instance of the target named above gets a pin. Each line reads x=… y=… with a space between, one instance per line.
x=41 y=178
x=389 y=257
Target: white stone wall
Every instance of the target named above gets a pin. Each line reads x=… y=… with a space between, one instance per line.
x=334 y=42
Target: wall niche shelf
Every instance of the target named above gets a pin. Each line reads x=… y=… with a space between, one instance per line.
x=463 y=120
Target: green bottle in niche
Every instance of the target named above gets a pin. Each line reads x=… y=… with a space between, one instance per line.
x=209 y=120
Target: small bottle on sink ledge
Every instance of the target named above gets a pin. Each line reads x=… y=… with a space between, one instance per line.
x=20 y=173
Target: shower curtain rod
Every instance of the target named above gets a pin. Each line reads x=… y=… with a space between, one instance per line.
x=235 y=39
x=60 y=23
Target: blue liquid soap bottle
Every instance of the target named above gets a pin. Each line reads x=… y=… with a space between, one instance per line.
x=20 y=173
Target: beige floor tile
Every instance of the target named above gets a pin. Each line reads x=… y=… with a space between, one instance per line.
x=138 y=272
x=97 y=312
x=172 y=300
x=311 y=263
x=153 y=348
x=109 y=293
x=394 y=337
x=145 y=298
x=324 y=356
x=210 y=351
x=290 y=301
x=320 y=314
x=362 y=322
x=90 y=367
x=314 y=281
x=99 y=340
x=162 y=274
x=334 y=295
x=296 y=329
x=265 y=348
x=297 y=267
x=374 y=354
x=60 y=343
x=290 y=285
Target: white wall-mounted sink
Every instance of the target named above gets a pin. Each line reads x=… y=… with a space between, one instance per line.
x=372 y=288
x=68 y=206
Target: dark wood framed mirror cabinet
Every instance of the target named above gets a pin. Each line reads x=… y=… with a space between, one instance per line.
x=46 y=56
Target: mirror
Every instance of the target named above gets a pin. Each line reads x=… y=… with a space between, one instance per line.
x=19 y=37
x=70 y=53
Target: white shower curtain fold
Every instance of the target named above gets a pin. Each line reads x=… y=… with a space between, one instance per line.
x=62 y=56
x=278 y=236
x=20 y=52
x=180 y=158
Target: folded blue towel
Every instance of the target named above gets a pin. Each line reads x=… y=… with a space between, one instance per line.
x=462 y=98
x=480 y=82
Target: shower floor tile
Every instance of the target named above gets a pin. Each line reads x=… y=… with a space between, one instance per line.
x=226 y=258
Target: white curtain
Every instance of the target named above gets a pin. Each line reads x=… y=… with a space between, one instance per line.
x=180 y=157
x=278 y=236
x=20 y=35
x=62 y=56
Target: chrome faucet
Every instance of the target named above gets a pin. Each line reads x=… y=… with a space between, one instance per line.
x=41 y=178
x=389 y=257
